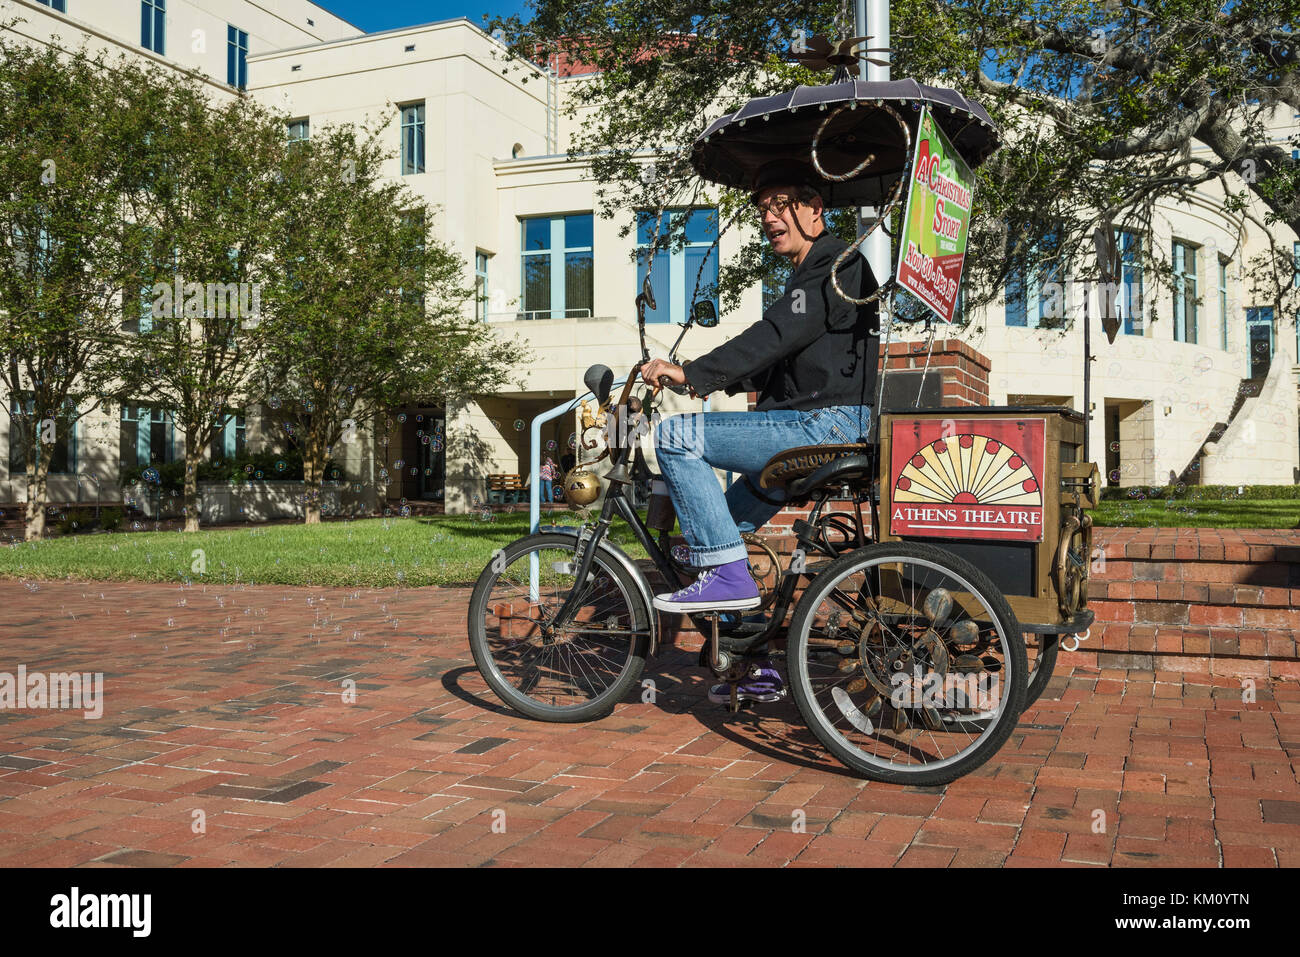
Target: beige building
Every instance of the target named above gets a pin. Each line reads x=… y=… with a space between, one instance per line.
x=489 y=150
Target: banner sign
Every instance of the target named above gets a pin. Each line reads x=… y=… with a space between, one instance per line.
x=937 y=220
x=968 y=478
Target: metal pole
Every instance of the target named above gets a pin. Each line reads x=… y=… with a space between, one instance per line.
x=872 y=17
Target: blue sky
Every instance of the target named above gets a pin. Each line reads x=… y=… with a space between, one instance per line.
x=375 y=15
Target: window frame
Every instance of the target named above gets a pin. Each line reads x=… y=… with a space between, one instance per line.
x=153 y=26
x=678 y=275
x=481 y=262
x=232 y=434
x=16 y=402
x=1029 y=289
x=157 y=414
x=556 y=254
x=236 y=57
x=1185 y=290
x=1224 y=262
x=409 y=128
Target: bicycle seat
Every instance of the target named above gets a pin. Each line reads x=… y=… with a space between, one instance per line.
x=804 y=469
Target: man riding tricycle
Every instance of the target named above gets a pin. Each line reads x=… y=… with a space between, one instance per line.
x=905 y=659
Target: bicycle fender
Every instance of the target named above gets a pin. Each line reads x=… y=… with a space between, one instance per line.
x=638 y=576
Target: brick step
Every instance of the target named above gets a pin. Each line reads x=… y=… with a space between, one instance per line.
x=1188 y=613
x=1199 y=545
x=1234 y=667
x=1264 y=573
x=1100 y=587
x=1279 y=643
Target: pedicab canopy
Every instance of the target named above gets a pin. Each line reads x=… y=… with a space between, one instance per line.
x=936 y=135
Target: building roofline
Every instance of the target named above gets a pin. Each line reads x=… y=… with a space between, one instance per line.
x=364 y=37
x=336 y=16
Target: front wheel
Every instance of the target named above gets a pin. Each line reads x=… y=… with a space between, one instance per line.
x=574 y=672
x=907 y=663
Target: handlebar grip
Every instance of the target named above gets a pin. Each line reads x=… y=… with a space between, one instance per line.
x=671 y=386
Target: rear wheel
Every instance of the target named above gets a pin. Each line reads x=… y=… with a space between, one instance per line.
x=907 y=663
x=575 y=672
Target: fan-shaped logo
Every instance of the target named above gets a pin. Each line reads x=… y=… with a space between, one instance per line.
x=971 y=484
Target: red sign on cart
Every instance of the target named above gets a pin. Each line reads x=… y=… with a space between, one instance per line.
x=976 y=478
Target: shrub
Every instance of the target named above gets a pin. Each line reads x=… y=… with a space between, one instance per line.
x=272 y=466
x=1202 y=493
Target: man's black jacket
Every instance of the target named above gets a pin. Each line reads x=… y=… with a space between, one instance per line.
x=811 y=349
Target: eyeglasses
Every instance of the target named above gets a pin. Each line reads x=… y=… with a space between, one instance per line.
x=777 y=205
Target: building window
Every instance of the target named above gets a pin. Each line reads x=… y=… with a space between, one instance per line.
x=236 y=57
x=147 y=436
x=228 y=439
x=1036 y=300
x=557 y=267
x=62 y=451
x=413 y=139
x=1184 y=292
x=481 y=285
x=153 y=25
x=1130 y=281
x=674 y=277
x=60 y=5
x=1259 y=329
x=299 y=130
x=1223 y=303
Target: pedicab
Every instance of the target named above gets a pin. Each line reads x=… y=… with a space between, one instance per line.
x=903 y=633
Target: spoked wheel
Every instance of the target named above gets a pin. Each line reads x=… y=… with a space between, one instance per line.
x=1041 y=650
x=907 y=663
x=575 y=672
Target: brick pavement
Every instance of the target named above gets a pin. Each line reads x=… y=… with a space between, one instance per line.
x=224 y=706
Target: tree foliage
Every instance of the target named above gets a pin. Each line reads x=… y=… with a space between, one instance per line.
x=70 y=164
x=371 y=307
x=215 y=192
x=1105 y=108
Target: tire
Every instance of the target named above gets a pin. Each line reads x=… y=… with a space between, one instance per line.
x=577 y=660
x=819 y=677
x=1041 y=666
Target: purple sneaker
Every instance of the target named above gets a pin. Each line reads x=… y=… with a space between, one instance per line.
x=727 y=587
x=764 y=684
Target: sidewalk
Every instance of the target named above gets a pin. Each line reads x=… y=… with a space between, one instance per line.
x=224 y=708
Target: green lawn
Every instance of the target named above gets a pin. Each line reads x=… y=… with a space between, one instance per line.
x=1231 y=513
x=440 y=550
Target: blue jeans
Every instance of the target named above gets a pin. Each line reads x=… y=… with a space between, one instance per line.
x=546 y=491
x=690 y=446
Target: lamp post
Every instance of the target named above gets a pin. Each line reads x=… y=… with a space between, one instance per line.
x=872 y=17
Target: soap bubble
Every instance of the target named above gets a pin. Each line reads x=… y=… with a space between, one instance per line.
x=401 y=417
x=281 y=465
x=519 y=425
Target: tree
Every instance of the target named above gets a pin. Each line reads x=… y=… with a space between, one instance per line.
x=216 y=194
x=1099 y=105
x=370 y=307
x=71 y=162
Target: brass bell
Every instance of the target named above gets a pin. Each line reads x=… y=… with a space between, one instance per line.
x=581 y=487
